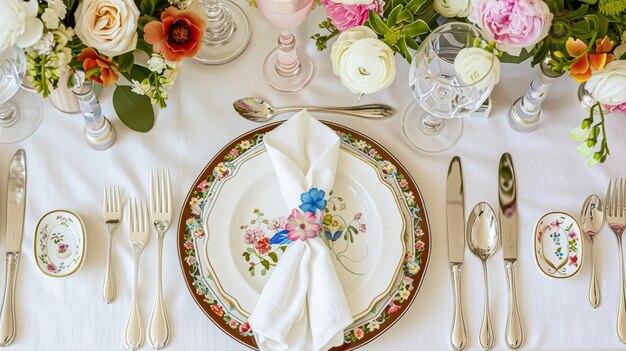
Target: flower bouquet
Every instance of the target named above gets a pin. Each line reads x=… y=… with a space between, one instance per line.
x=104 y=39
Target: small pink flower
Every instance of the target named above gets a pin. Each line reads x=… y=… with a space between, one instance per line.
x=52 y=268
x=373 y=152
x=233 y=323
x=63 y=246
x=616 y=108
x=234 y=152
x=357 y=216
x=407 y=280
x=363 y=228
x=188 y=245
x=345 y=16
x=419 y=233
x=244 y=328
x=217 y=309
x=359 y=333
x=393 y=308
x=302 y=225
x=573 y=260
x=403 y=183
x=263 y=246
x=419 y=245
x=204 y=185
x=277 y=224
x=190 y=260
x=555 y=224
x=572 y=235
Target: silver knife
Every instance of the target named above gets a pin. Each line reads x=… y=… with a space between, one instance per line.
x=16 y=201
x=507 y=193
x=455 y=212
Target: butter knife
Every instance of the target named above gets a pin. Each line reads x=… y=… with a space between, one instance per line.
x=507 y=193
x=16 y=201
x=455 y=212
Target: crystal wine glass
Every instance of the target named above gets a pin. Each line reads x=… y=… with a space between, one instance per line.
x=227 y=32
x=288 y=68
x=432 y=123
x=20 y=114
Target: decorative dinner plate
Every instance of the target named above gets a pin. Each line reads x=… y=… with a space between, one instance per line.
x=224 y=228
x=59 y=243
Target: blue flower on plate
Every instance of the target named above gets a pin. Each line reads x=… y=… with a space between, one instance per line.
x=313 y=200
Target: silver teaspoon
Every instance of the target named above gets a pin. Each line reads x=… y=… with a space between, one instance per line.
x=592 y=217
x=259 y=110
x=483 y=239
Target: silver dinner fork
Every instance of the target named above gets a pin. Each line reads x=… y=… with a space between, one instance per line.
x=112 y=216
x=139 y=230
x=161 y=210
x=616 y=218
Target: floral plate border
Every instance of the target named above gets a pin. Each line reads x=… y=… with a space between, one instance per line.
x=190 y=227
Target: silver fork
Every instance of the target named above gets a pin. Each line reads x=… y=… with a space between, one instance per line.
x=616 y=217
x=161 y=210
x=112 y=216
x=139 y=231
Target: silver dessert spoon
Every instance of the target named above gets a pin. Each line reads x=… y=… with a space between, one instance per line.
x=483 y=239
x=592 y=217
x=259 y=110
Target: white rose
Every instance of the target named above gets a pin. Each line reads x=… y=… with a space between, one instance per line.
x=364 y=64
x=474 y=65
x=453 y=8
x=109 y=26
x=607 y=85
x=19 y=23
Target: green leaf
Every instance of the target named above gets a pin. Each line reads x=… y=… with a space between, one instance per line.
x=273 y=256
x=125 y=61
x=377 y=23
x=266 y=264
x=147 y=6
x=134 y=110
x=416 y=28
x=250 y=250
x=415 y=5
x=137 y=72
x=352 y=230
x=143 y=20
x=246 y=256
x=392 y=19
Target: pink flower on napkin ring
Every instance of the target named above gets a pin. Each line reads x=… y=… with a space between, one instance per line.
x=303 y=225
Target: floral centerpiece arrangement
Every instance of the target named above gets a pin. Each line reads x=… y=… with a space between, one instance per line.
x=584 y=38
x=104 y=39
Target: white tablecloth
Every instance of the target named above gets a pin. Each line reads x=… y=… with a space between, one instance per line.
x=64 y=173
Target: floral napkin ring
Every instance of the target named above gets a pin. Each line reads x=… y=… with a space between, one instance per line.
x=304 y=222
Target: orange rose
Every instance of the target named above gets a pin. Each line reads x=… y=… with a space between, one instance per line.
x=97 y=68
x=581 y=69
x=178 y=35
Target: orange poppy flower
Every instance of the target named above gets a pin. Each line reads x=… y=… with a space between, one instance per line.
x=97 y=68
x=178 y=35
x=581 y=68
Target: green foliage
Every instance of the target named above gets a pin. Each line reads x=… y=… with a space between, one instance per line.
x=134 y=110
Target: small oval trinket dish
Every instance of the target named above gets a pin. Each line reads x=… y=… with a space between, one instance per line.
x=60 y=243
x=558 y=245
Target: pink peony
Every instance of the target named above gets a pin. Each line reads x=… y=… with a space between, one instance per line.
x=302 y=225
x=512 y=24
x=347 y=16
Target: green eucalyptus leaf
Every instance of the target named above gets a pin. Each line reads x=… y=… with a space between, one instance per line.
x=134 y=110
x=416 y=28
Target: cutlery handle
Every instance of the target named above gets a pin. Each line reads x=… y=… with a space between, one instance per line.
x=621 y=312
x=7 y=316
x=514 y=335
x=486 y=330
x=372 y=111
x=458 y=338
x=158 y=327
x=134 y=329
x=108 y=292
x=594 y=287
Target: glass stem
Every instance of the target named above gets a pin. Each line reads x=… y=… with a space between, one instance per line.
x=431 y=124
x=219 y=23
x=287 y=62
x=8 y=114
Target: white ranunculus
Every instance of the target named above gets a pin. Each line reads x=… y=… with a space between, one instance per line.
x=19 y=24
x=363 y=63
x=109 y=26
x=474 y=65
x=607 y=85
x=453 y=8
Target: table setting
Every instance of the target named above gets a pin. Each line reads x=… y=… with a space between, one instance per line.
x=383 y=175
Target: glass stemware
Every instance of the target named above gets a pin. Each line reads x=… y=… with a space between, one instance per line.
x=227 y=32
x=432 y=123
x=288 y=68
x=20 y=114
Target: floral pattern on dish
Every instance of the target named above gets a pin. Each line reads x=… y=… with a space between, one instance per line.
x=558 y=245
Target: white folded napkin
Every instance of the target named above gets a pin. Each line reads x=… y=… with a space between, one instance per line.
x=302 y=306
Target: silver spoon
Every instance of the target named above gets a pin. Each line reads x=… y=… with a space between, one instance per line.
x=259 y=110
x=592 y=217
x=483 y=239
